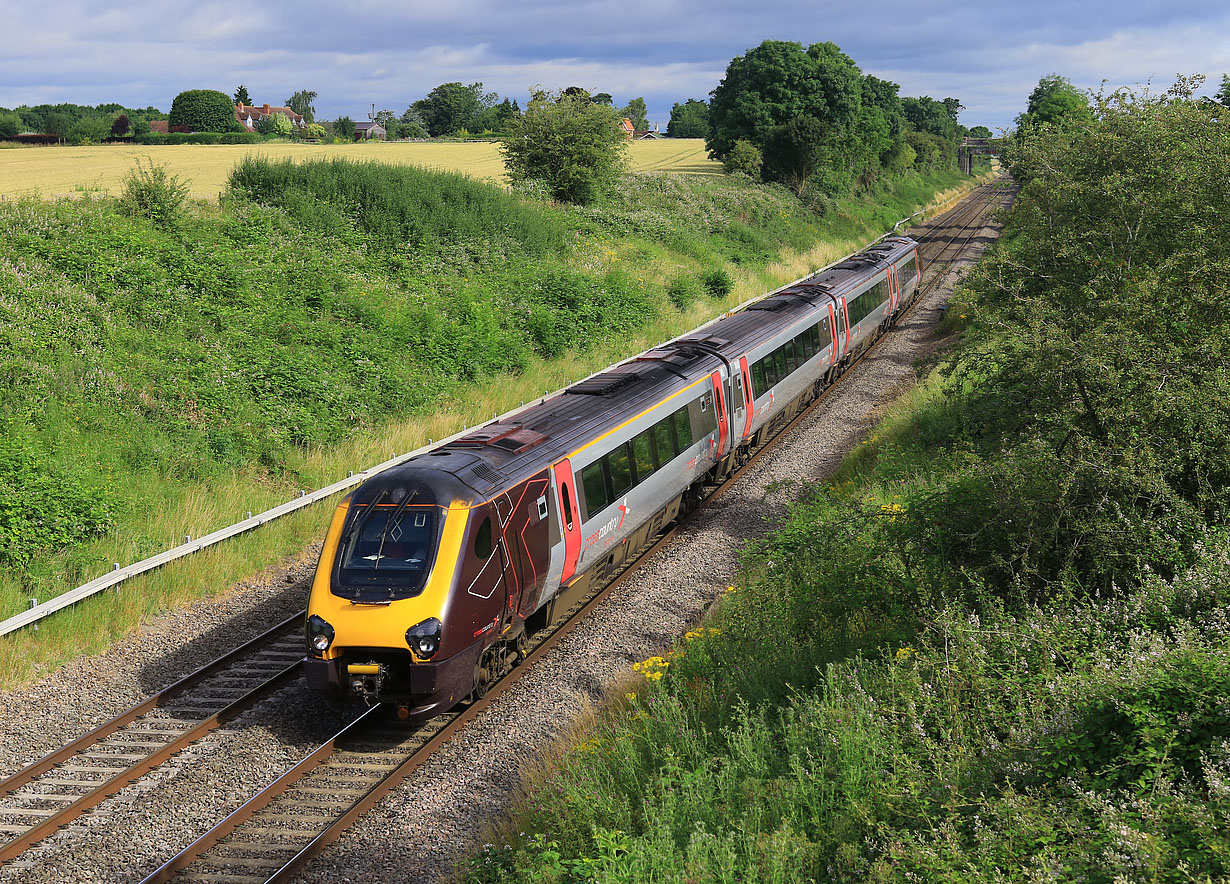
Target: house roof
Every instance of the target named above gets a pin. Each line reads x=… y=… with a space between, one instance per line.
x=162 y=126
x=367 y=124
x=257 y=111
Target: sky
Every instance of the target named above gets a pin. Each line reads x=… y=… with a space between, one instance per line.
x=389 y=53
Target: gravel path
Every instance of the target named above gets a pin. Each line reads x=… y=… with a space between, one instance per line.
x=438 y=815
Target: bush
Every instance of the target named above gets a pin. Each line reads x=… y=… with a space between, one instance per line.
x=744 y=158
x=275 y=124
x=574 y=146
x=683 y=291
x=716 y=282
x=239 y=138
x=203 y=110
x=150 y=191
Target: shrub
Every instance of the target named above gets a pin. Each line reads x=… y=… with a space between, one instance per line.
x=716 y=282
x=573 y=145
x=203 y=110
x=239 y=138
x=275 y=124
x=744 y=158
x=683 y=291
x=150 y=191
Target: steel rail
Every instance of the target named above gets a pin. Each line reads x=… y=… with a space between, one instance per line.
x=103 y=789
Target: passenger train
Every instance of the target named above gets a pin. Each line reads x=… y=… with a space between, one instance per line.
x=434 y=572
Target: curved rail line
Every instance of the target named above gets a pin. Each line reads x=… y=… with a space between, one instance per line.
x=276 y=832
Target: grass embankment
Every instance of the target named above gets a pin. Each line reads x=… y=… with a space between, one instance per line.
x=66 y=171
x=996 y=647
x=162 y=379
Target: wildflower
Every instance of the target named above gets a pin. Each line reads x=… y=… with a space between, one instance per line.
x=630 y=696
x=904 y=654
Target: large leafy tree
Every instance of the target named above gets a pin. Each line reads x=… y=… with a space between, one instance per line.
x=451 y=107
x=778 y=81
x=301 y=103
x=203 y=110
x=573 y=146
x=689 y=120
x=1056 y=102
x=636 y=111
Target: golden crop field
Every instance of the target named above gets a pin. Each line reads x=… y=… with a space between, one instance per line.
x=63 y=171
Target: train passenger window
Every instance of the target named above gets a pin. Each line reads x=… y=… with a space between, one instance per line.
x=813 y=338
x=758 y=384
x=594 y=482
x=642 y=453
x=683 y=428
x=824 y=333
x=482 y=539
x=621 y=470
x=567 y=498
x=792 y=361
x=780 y=368
x=707 y=417
x=665 y=444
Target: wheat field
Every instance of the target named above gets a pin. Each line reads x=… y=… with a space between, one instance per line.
x=52 y=172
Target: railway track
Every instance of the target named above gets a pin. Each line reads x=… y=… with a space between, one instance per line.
x=277 y=831
x=39 y=800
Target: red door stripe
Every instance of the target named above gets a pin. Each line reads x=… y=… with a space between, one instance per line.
x=749 y=397
x=570 y=518
x=719 y=403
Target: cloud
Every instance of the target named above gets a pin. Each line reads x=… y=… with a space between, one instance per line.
x=390 y=53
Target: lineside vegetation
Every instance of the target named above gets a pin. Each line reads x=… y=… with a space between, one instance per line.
x=164 y=371
x=997 y=646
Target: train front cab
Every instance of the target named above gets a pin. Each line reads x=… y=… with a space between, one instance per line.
x=409 y=599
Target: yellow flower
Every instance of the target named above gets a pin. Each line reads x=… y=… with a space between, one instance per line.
x=904 y=654
x=630 y=696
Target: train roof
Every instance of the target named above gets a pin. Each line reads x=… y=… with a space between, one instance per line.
x=494 y=456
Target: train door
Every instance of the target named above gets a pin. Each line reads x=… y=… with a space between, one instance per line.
x=484 y=569
x=510 y=556
x=527 y=537
x=719 y=404
x=749 y=401
x=835 y=339
x=569 y=517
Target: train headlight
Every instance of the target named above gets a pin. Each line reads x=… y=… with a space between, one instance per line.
x=319 y=635
x=424 y=638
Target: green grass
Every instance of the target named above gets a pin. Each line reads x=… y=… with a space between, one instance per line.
x=161 y=378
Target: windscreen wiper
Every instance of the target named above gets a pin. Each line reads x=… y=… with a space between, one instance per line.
x=384 y=535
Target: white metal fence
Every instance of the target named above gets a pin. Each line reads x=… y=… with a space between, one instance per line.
x=113 y=578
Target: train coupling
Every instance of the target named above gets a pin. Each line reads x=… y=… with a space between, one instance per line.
x=366 y=679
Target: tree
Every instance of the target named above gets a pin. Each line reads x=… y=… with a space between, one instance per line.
x=794 y=151
x=1056 y=102
x=636 y=111
x=574 y=147
x=411 y=125
x=1223 y=94
x=241 y=95
x=301 y=103
x=689 y=120
x=928 y=115
x=203 y=110
x=343 y=127
x=56 y=123
x=743 y=158
x=388 y=120
x=10 y=124
x=120 y=126
x=498 y=117
x=603 y=98
x=980 y=132
x=778 y=81
x=451 y=107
